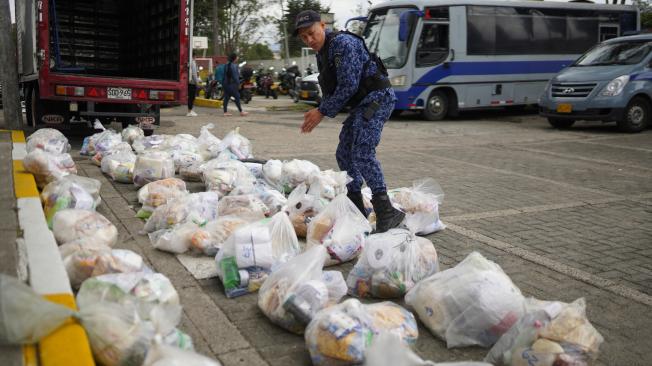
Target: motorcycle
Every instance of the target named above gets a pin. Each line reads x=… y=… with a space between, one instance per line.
x=268 y=87
x=214 y=90
x=246 y=90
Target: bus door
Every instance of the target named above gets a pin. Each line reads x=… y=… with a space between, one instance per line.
x=433 y=45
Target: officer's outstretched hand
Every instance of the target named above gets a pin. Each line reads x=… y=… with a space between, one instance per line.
x=310 y=120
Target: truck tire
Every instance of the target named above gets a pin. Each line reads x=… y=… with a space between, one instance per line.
x=636 y=116
x=436 y=107
x=33 y=106
x=559 y=123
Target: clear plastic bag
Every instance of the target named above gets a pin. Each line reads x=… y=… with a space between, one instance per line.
x=272 y=173
x=74 y=224
x=295 y=172
x=199 y=208
x=328 y=184
x=183 y=159
x=119 y=148
x=302 y=208
x=131 y=133
x=388 y=350
x=162 y=355
x=473 y=303
x=120 y=166
x=273 y=199
x=49 y=140
x=153 y=166
x=239 y=145
x=150 y=143
x=193 y=172
x=210 y=238
x=224 y=177
x=107 y=143
x=341 y=228
x=341 y=334
x=391 y=263
x=421 y=205
x=90 y=261
x=157 y=193
x=209 y=144
x=174 y=240
x=251 y=251
x=296 y=291
x=246 y=205
x=182 y=142
x=70 y=191
x=48 y=167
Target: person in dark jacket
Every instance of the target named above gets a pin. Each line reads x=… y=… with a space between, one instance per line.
x=231 y=85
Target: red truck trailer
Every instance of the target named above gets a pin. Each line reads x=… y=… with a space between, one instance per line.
x=81 y=60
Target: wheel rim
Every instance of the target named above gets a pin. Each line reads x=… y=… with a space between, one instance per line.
x=636 y=115
x=436 y=105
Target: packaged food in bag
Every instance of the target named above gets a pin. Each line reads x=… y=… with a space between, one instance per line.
x=552 y=333
x=391 y=263
x=157 y=193
x=120 y=166
x=48 y=167
x=49 y=140
x=239 y=145
x=131 y=133
x=296 y=291
x=85 y=262
x=153 y=166
x=272 y=173
x=388 y=350
x=273 y=199
x=225 y=176
x=184 y=159
x=72 y=224
x=110 y=143
x=328 y=184
x=421 y=205
x=198 y=208
x=341 y=334
x=473 y=303
x=341 y=228
x=181 y=142
x=246 y=205
x=193 y=172
x=149 y=143
x=210 y=238
x=247 y=256
x=71 y=191
x=208 y=144
x=295 y=172
x=302 y=208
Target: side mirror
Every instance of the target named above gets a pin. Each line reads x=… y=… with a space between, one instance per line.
x=404 y=23
x=361 y=19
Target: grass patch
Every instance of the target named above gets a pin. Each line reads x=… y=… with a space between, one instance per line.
x=298 y=107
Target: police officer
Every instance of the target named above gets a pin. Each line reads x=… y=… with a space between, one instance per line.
x=349 y=75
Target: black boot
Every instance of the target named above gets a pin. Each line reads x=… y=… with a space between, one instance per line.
x=387 y=217
x=356 y=198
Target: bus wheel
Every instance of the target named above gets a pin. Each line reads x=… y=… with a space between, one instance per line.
x=436 y=107
x=637 y=116
x=560 y=123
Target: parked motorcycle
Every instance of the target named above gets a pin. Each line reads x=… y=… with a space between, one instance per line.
x=246 y=90
x=214 y=90
x=268 y=87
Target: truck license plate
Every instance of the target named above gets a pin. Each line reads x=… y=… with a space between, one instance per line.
x=118 y=93
x=564 y=108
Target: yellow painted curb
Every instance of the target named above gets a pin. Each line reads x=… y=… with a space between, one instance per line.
x=17 y=136
x=68 y=345
x=210 y=103
x=24 y=183
x=29 y=356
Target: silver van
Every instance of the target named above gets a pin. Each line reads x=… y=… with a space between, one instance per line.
x=610 y=82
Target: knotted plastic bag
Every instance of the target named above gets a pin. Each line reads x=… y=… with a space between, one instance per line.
x=131 y=133
x=198 y=208
x=69 y=225
x=302 y=208
x=71 y=191
x=153 y=166
x=47 y=166
x=47 y=139
x=158 y=193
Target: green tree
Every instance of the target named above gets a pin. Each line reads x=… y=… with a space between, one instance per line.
x=292 y=8
x=258 y=51
x=646 y=13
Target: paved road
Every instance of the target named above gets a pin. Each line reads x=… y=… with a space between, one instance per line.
x=567 y=214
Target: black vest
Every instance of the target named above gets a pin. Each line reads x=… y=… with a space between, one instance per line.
x=328 y=72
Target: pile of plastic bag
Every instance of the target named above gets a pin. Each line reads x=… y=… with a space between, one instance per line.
x=153 y=166
x=71 y=191
x=473 y=303
x=341 y=228
x=341 y=334
x=296 y=291
x=47 y=139
x=248 y=255
x=48 y=166
x=391 y=264
x=158 y=193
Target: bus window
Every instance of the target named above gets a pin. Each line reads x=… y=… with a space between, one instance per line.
x=432 y=48
x=381 y=33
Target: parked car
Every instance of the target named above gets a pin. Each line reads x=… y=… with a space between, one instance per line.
x=308 y=90
x=610 y=82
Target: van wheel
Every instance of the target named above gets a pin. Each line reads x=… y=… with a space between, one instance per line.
x=561 y=124
x=636 y=117
x=436 y=107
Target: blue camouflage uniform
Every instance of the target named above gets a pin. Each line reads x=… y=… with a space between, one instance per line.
x=356 y=152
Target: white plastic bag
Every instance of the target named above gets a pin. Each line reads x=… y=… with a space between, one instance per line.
x=47 y=166
x=328 y=184
x=296 y=291
x=199 y=208
x=47 y=139
x=248 y=255
x=421 y=205
x=131 y=133
x=209 y=144
x=174 y=240
x=246 y=205
x=224 y=177
x=110 y=144
x=193 y=172
x=71 y=191
x=388 y=350
x=341 y=334
x=273 y=199
x=74 y=224
x=391 y=263
x=473 y=303
x=164 y=355
x=272 y=173
x=148 y=143
x=91 y=261
x=341 y=228
x=157 y=193
x=302 y=208
x=550 y=333
x=120 y=166
x=210 y=238
x=153 y=166
x=183 y=159
x=295 y=172
x=239 y=145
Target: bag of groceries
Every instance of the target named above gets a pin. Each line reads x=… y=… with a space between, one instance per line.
x=71 y=191
x=208 y=144
x=391 y=263
x=248 y=255
x=295 y=291
x=295 y=172
x=157 y=193
x=328 y=184
x=150 y=143
x=153 y=166
x=473 y=303
x=225 y=176
x=131 y=133
x=47 y=166
x=341 y=228
x=237 y=144
x=49 y=140
x=341 y=334
x=71 y=224
x=120 y=166
x=193 y=172
x=198 y=208
x=246 y=205
x=302 y=208
x=421 y=205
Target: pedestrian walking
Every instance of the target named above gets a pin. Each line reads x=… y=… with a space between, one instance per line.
x=193 y=81
x=349 y=75
x=231 y=85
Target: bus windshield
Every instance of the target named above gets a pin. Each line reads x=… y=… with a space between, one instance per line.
x=381 y=36
x=616 y=53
